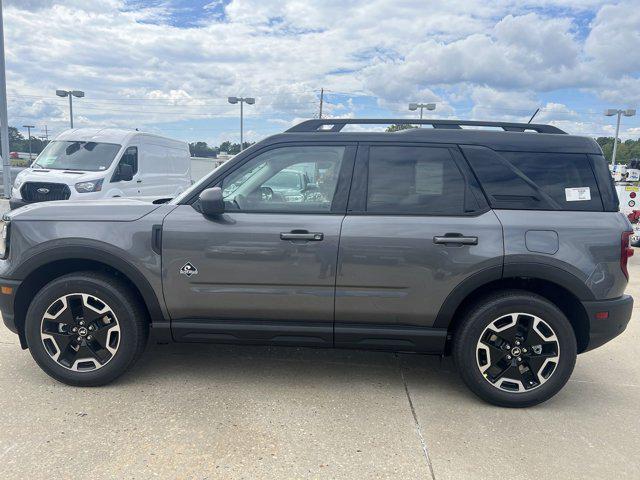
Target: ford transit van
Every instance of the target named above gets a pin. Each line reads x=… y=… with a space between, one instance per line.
x=90 y=164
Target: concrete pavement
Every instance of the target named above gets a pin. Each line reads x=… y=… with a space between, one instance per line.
x=208 y=412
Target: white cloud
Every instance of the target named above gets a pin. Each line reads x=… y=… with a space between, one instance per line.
x=497 y=58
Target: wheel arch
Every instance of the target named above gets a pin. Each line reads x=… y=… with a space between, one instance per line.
x=43 y=267
x=560 y=287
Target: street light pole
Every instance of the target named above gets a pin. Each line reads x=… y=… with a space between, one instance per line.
x=629 y=112
x=422 y=106
x=29 y=127
x=4 y=117
x=241 y=101
x=70 y=94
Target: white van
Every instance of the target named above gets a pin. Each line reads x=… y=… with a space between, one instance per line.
x=89 y=164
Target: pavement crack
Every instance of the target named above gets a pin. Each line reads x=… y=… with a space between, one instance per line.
x=416 y=422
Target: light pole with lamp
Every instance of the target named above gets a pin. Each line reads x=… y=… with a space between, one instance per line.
x=415 y=106
x=70 y=94
x=629 y=112
x=241 y=101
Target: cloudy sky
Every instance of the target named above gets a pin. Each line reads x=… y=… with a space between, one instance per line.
x=167 y=66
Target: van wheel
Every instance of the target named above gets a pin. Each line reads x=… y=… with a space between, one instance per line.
x=515 y=349
x=86 y=328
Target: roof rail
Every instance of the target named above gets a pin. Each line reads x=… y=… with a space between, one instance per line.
x=335 y=125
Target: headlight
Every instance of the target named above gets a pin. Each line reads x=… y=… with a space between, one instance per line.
x=86 y=187
x=18 y=181
x=4 y=240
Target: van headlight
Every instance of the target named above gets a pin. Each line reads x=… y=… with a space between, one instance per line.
x=18 y=181
x=4 y=239
x=92 y=186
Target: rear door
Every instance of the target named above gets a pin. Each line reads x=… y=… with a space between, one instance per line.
x=264 y=272
x=416 y=227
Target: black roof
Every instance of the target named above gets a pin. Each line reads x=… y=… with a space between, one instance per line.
x=503 y=136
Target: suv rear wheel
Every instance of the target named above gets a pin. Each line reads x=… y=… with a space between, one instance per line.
x=515 y=349
x=86 y=328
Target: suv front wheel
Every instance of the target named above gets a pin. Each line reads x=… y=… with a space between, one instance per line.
x=515 y=349
x=86 y=328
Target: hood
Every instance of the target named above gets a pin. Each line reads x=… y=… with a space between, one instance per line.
x=69 y=177
x=110 y=210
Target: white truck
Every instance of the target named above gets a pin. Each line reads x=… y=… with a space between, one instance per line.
x=90 y=164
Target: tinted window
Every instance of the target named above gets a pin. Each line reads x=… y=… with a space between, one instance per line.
x=418 y=180
x=130 y=157
x=535 y=181
x=566 y=177
x=273 y=181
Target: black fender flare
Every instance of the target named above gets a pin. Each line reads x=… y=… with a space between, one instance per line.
x=96 y=251
x=540 y=271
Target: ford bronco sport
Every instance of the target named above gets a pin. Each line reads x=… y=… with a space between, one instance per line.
x=498 y=243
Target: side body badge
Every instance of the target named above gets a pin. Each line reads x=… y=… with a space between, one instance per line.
x=188 y=269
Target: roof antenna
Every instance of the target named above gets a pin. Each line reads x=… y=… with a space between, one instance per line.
x=534 y=114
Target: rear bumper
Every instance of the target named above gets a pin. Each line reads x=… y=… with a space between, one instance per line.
x=601 y=330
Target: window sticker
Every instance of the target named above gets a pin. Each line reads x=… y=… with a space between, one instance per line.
x=577 y=194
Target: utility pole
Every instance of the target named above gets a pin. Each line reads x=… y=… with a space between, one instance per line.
x=29 y=127
x=321 y=102
x=4 y=117
x=46 y=134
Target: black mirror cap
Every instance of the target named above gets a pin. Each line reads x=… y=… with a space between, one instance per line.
x=125 y=172
x=211 y=202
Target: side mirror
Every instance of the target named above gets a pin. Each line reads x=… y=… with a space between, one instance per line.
x=125 y=172
x=211 y=202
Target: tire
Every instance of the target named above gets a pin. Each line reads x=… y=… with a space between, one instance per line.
x=111 y=328
x=495 y=329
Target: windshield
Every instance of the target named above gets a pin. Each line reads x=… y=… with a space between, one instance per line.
x=89 y=156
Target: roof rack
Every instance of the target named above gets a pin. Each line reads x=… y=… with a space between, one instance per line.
x=336 y=125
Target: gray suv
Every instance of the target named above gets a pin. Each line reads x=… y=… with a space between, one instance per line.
x=498 y=243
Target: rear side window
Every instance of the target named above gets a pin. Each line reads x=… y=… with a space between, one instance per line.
x=414 y=180
x=536 y=181
x=566 y=177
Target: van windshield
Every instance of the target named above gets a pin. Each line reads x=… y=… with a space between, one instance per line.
x=66 y=155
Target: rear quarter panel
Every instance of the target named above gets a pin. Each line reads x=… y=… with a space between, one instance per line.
x=588 y=245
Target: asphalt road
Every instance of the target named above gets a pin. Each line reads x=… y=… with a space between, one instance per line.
x=221 y=412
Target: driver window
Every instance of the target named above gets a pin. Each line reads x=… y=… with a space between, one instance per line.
x=288 y=179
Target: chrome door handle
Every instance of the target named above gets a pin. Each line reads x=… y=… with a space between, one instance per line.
x=300 y=235
x=455 y=239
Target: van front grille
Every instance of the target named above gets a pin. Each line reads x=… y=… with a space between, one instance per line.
x=44 y=192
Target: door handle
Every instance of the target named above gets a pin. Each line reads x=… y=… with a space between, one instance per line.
x=138 y=181
x=302 y=235
x=455 y=239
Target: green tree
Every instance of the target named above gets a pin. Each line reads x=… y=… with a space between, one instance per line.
x=201 y=149
x=396 y=127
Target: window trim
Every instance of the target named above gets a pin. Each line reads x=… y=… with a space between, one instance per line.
x=358 y=199
x=339 y=204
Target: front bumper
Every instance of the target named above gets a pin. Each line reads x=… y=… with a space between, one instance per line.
x=7 y=301
x=601 y=330
x=17 y=203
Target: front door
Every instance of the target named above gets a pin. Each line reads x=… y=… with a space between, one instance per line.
x=264 y=271
x=415 y=230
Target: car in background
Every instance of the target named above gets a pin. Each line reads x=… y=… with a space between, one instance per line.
x=90 y=164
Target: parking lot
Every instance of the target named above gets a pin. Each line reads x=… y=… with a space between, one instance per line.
x=207 y=411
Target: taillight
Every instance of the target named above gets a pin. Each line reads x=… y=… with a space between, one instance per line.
x=626 y=251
